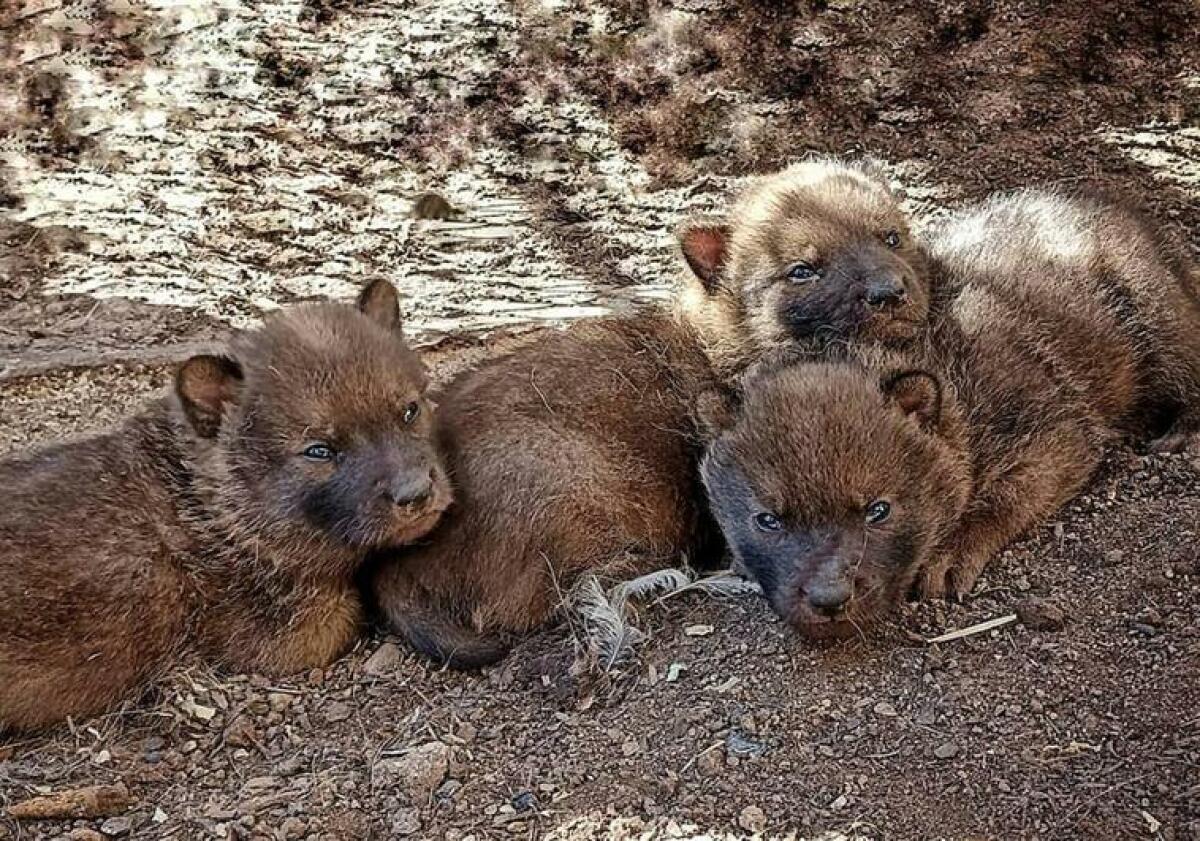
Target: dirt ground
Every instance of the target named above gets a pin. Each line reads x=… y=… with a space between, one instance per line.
x=170 y=170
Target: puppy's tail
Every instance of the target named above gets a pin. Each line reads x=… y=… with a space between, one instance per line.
x=445 y=641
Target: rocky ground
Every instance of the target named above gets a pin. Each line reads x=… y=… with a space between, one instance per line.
x=171 y=169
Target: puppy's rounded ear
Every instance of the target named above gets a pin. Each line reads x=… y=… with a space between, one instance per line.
x=704 y=241
x=716 y=412
x=380 y=302
x=917 y=394
x=205 y=385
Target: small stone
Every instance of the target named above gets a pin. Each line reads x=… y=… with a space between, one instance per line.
x=418 y=773
x=752 y=819
x=116 y=827
x=85 y=835
x=448 y=789
x=432 y=206
x=290 y=766
x=1150 y=617
x=337 y=711
x=384 y=661
x=406 y=822
x=292 y=829
x=698 y=630
x=1041 y=615
x=526 y=801
x=279 y=701
x=710 y=762
x=740 y=745
x=884 y=709
x=946 y=750
x=201 y=712
x=240 y=732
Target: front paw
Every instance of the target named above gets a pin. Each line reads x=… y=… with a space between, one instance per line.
x=932 y=580
x=947 y=578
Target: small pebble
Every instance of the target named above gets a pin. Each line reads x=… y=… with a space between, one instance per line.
x=384 y=661
x=1041 y=615
x=946 y=750
x=116 y=827
x=337 y=711
x=432 y=206
x=753 y=819
x=85 y=835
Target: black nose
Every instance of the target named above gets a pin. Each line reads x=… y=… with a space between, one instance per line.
x=829 y=597
x=883 y=292
x=411 y=488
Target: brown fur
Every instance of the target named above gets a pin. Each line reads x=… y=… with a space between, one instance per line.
x=576 y=454
x=1068 y=325
x=200 y=525
x=817 y=254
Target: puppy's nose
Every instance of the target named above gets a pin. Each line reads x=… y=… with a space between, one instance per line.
x=412 y=488
x=883 y=292
x=830 y=597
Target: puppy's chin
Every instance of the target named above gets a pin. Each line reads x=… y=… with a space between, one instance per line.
x=896 y=326
x=407 y=526
x=817 y=626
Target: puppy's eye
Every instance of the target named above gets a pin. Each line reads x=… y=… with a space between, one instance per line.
x=892 y=239
x=767 y=521
x=803 y=273
x=319 y=452
x=411 y=412
x=877 y=512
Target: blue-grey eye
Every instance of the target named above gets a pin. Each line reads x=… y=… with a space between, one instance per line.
x=892 y=239
x=877 y=512
x=319 y=452
x=411 y=411
x=768 y=521
x=803 y=273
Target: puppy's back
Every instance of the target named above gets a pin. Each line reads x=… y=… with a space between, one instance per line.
x=94 y=603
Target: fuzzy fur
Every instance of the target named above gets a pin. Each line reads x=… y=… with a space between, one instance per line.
x=575 y=455
x=197 y=526
x=840 y=218
x=1068 y=324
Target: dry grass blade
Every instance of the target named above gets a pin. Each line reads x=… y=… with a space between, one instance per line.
x=981 y=628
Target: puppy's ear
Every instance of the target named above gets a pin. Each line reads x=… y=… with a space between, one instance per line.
x=704 y=241
x=205 y=385
x=917 y=394
x=716 y=412
x=380 y=302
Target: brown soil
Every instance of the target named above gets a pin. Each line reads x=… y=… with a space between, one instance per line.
x=1079 y=720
